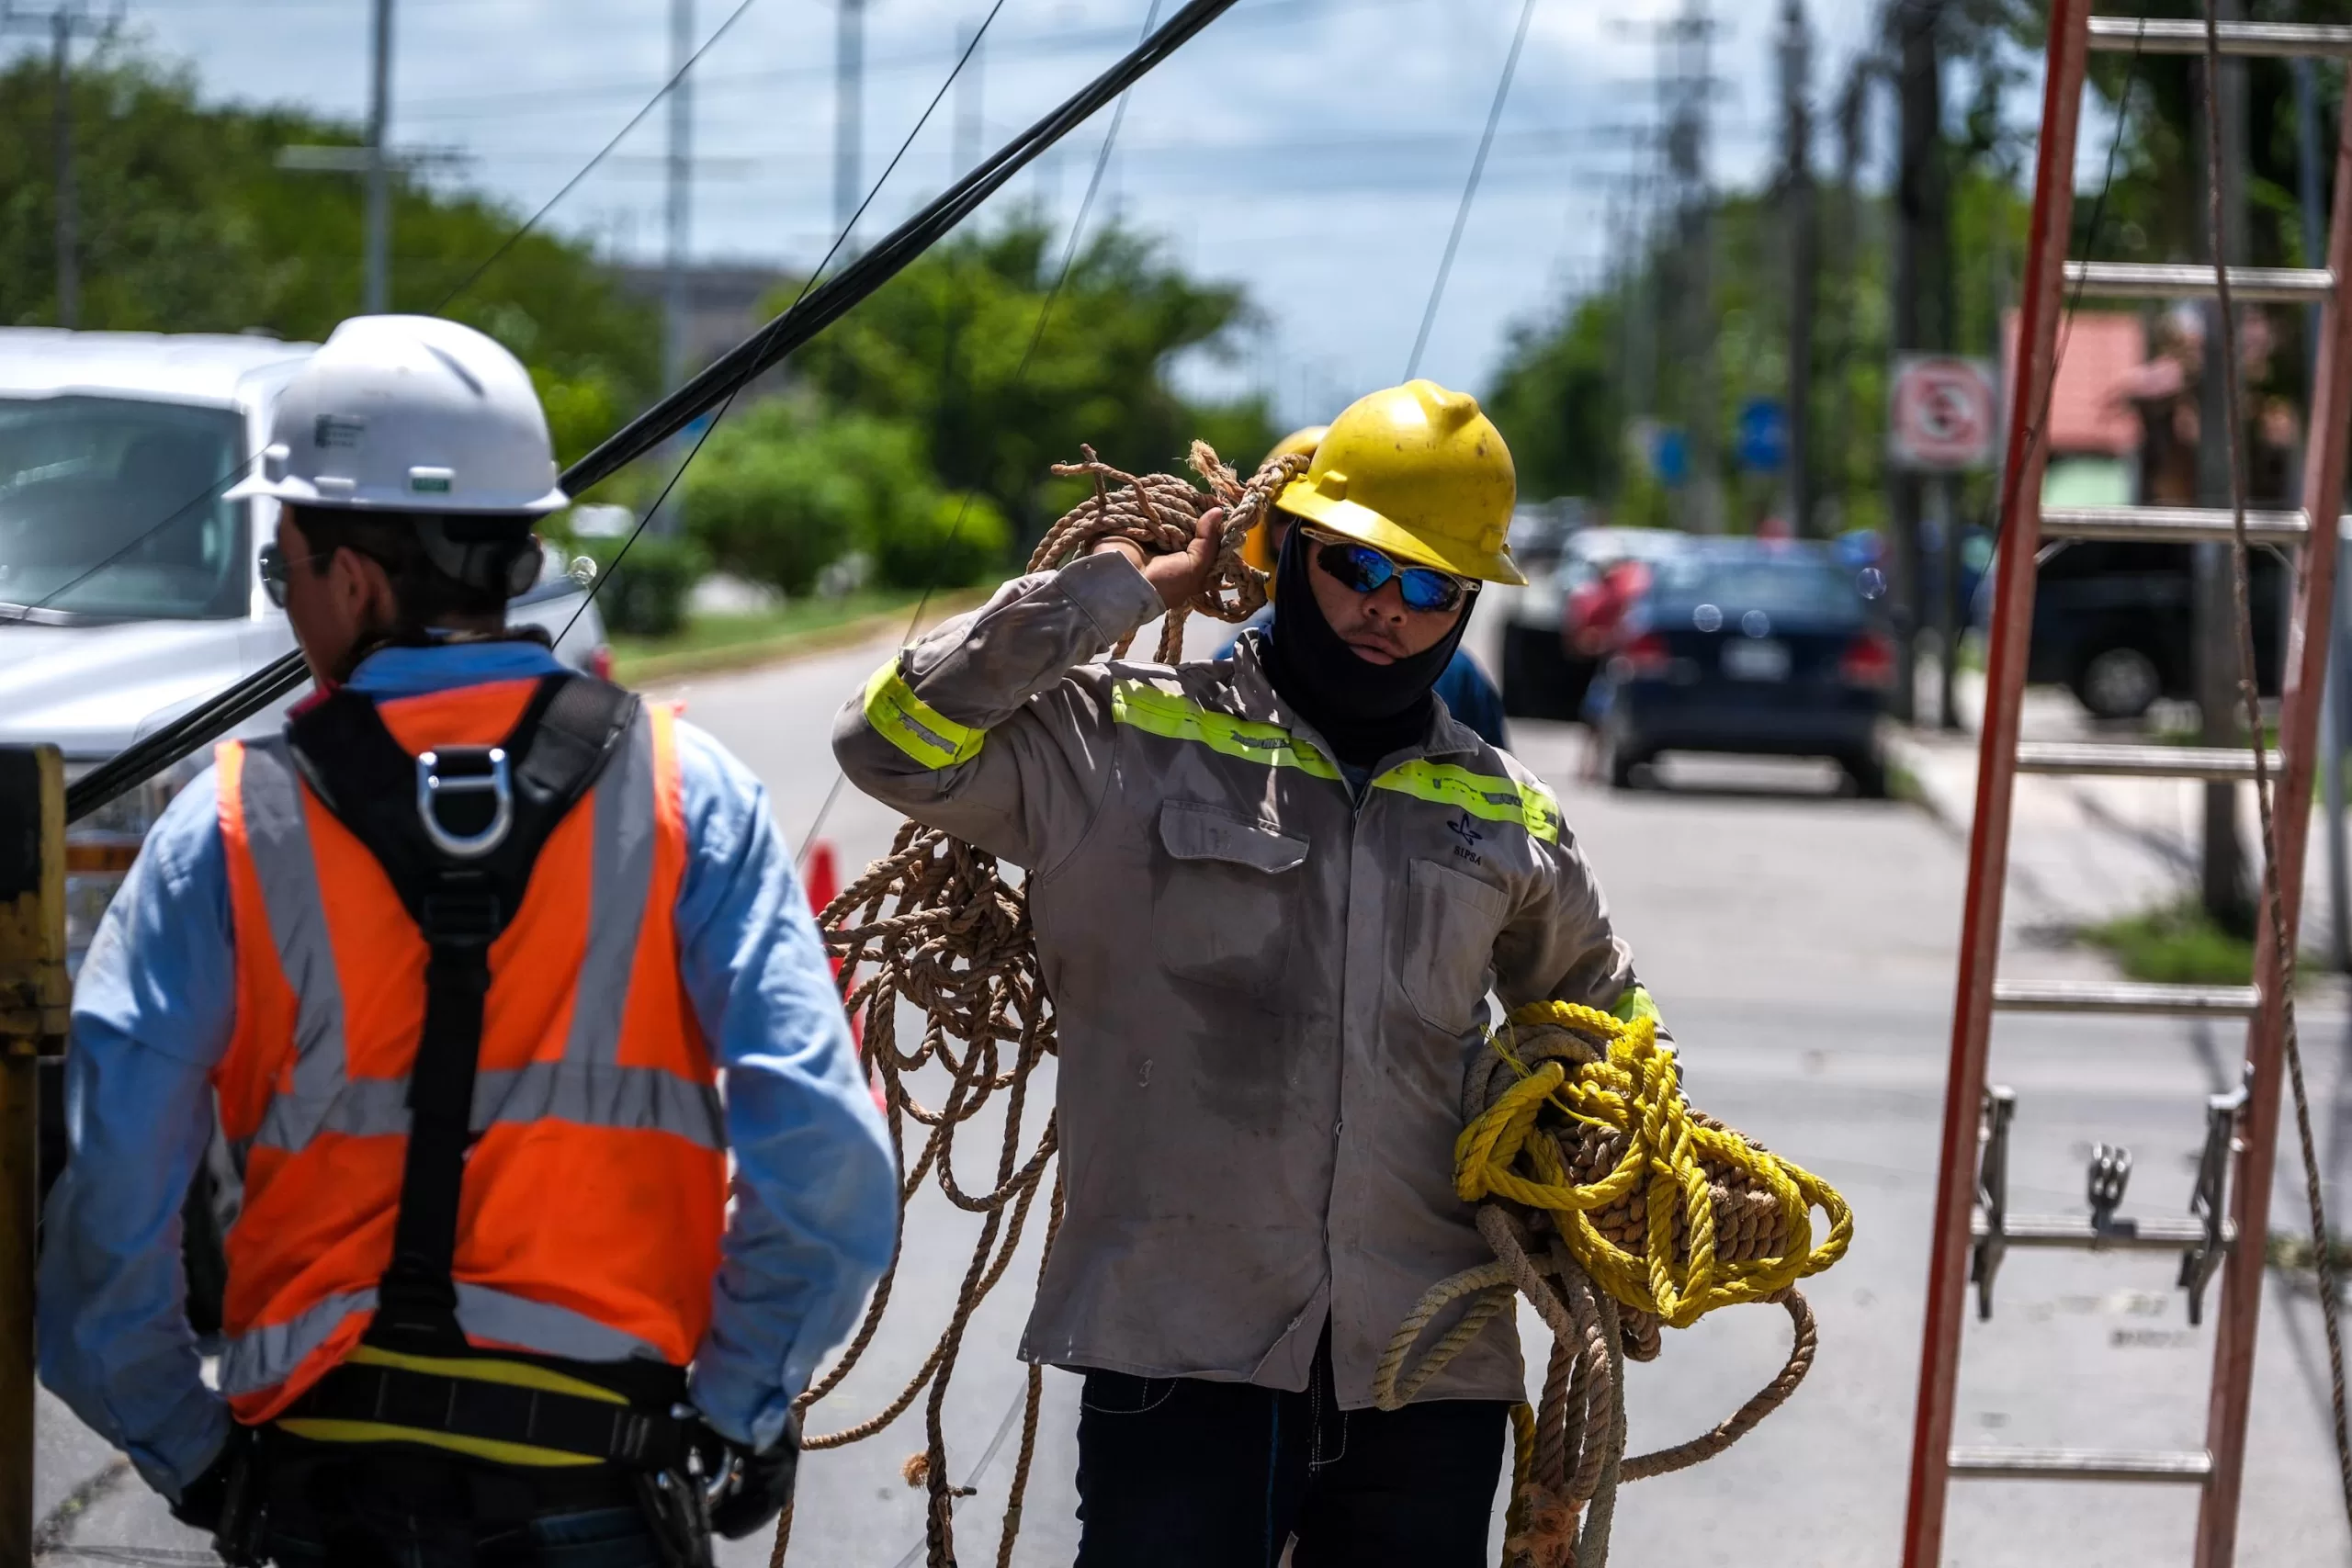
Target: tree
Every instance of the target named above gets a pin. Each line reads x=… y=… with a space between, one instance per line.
x=942 y=346
x=187 y=225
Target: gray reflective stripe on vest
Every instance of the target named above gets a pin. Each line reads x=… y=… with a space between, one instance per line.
x=269 y=793
x=263 y=1357
x=621 y=879
x=651 y=1100
x=598 y=1094
x=485 y=1314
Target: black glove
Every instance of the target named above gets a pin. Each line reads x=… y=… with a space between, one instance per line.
x=758 y=1484
x=204 y=1500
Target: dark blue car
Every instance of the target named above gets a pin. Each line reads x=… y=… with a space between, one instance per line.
x=1748 y=646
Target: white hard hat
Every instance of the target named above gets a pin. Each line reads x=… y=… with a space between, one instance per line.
x=409 y=413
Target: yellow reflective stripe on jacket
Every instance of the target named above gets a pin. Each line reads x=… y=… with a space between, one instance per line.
x=1633 y=1002
x=913 y=726
x=1481 y=795
x=1155 y=711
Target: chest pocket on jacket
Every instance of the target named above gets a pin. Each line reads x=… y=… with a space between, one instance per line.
x=1450 y=922
x=1224 y=901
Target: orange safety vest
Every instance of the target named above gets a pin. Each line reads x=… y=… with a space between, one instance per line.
x=595 y=1193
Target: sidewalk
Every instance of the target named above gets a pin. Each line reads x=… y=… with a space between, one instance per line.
x=2086 y=850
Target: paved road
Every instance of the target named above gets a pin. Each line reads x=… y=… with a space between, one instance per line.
x=1801 y=947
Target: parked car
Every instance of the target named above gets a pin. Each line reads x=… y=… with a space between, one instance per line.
x=1530 y=615
x=1552 y=645
x=130 y=592
x=1747 y=646
x=2115 y=622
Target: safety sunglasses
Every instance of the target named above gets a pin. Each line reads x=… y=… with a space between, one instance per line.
x=275 y=567
x=1364 y=570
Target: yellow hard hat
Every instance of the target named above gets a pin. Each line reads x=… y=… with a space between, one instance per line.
x=1419 y=472
x=1257 y=548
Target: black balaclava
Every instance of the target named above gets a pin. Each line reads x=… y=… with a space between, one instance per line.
x=1365 y=710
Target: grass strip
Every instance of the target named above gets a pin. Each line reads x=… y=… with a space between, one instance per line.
x=713 y=643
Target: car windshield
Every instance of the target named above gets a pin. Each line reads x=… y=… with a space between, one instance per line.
x=1793 y=585
x=110 y=509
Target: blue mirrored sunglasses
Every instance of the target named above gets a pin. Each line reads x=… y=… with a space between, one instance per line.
x=1364 y=568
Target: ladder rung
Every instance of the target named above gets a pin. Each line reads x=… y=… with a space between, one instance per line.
x=2140 y=762
x=2154 y=1233
x=2192 y=280
x=2194 y=1466
x=2151 y=35
x=2171 y=524
x=2124 y=996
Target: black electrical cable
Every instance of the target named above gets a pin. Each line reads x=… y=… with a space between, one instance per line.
x=728 y=403
x=1019 y=378
x=818 y=310
x=211 y=491
x=1470 y=189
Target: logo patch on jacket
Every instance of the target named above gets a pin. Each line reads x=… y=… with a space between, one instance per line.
x=1467 y=831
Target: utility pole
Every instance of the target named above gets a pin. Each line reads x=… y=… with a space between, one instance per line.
x=1801 y=234
x=848 y=119
x=969 y=126
x=1690 y=102
x=1853 y=111
x=2331 y=710
x=681 y=196
x=2222 y=868
x=66 y=21
x=376 y=286
x=1921 y=314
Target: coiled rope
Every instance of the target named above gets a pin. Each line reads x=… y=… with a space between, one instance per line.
x=934 y=924
x=1614 y=1208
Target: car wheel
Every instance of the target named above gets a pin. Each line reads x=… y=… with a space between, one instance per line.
x=1869 y=773
x=1619 y=756
x=2119 y=683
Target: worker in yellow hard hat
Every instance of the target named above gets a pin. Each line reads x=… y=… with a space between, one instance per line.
x=1274 y=891
x=1462 y=686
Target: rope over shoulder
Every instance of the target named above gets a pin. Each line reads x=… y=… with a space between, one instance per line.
x=1615 y=1209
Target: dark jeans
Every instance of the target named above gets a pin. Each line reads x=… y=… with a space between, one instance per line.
x=1174 y=1473
x=406 y=1510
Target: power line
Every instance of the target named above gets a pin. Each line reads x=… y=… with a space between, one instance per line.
x=818 y=309
x=1020 y=376
x=1470 y=189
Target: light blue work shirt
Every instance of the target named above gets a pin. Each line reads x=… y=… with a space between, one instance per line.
x=815 y=1195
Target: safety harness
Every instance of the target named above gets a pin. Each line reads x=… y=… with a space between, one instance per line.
x=457 y=831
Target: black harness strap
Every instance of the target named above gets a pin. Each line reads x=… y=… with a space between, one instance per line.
x=457 y=832
x=635 y=1436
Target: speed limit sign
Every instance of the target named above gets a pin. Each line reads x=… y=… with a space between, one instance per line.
x=1943 y=413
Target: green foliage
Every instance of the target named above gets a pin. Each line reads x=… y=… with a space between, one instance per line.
x=959 y=540
x=2177 y=944
x=941 y=348
x=784 y=489
x=187 y=225
x=647 y=595
x=1568 y=387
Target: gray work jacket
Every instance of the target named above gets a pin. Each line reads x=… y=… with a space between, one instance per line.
x=1268 y=989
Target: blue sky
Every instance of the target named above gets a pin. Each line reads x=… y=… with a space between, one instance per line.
x=1312 y=150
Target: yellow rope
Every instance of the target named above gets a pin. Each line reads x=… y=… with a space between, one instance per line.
x=1636 y=1090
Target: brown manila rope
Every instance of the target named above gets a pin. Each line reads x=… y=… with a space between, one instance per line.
x=933 y=923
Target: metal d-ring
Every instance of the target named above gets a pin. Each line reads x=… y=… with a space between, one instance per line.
x=431 y=784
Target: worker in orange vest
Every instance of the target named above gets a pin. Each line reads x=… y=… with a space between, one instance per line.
x=462 y=956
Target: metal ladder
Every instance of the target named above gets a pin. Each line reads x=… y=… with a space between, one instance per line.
x=1972 y=1227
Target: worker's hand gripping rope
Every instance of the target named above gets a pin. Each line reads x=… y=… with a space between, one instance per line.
x=1614 y=1208
x=1160 y=513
